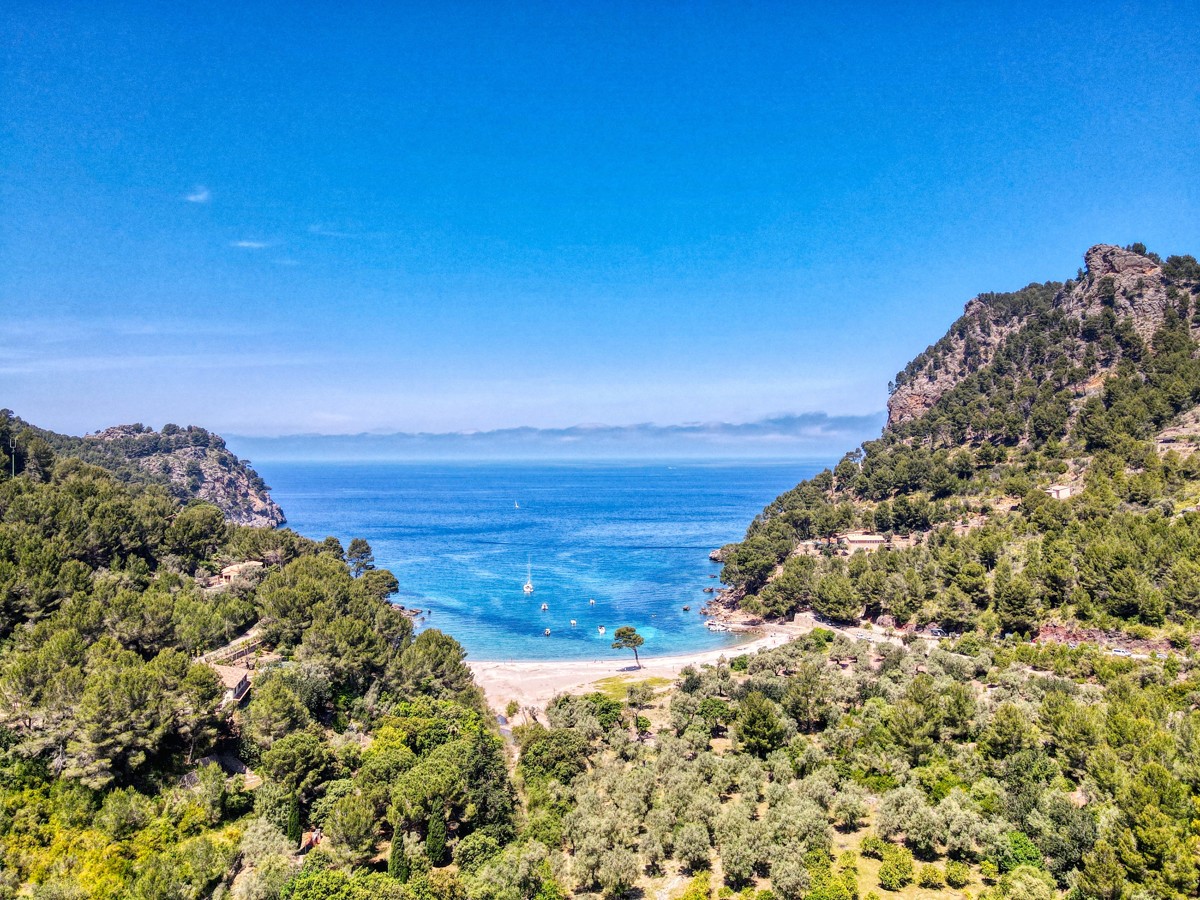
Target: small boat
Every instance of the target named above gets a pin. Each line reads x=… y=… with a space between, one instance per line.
x=572 y=623
x=546 y=632
x=528 y=580
x=545 y=606
x=517 y=505
x=601 y=629
x=591 y=603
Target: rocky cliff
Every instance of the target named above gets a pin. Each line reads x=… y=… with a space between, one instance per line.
x=1130 y=285
x=192 y=463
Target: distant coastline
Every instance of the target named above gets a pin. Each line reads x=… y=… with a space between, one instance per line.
x=807 y=436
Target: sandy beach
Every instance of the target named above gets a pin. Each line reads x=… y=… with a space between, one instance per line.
x=534 y=683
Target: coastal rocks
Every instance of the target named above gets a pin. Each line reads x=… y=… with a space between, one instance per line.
x=718 y=555
x=193 y=463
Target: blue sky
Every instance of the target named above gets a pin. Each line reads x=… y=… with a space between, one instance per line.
x=423 y=217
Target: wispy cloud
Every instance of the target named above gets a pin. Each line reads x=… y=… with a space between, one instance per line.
x=200 y=195
x=250 y=245
x=345 y=233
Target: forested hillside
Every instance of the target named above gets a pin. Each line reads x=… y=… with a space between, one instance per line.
x=364 y=765
x=1038 y=466
x=192 y=463
x=123 y=771
x=832 y=770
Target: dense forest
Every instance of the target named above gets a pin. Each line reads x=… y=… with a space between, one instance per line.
x=1083 y=386
x=116 y=744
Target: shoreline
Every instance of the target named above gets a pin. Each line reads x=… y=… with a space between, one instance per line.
x=533 y=683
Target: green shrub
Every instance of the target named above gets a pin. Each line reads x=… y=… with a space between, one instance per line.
x=698 y=888
x=897 y=868
x=474 y=850
x=931 y=877
x=958 y=874
x=873 y=846
x=1021 y=851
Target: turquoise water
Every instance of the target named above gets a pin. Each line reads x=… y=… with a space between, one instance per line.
x=634 y=538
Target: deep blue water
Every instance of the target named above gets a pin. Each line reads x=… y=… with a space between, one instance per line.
x=635 y=538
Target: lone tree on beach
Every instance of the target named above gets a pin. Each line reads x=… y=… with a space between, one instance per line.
x=629 y=639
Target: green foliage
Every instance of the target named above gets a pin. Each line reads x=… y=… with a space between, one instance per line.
x=873 y=846
x=557 y=753
x=699 y=888
x=473 y=851
x=758 y=726
x=930 y=876
x=1018 y=850
x=435 y=836
x=897 y=869
x=958 y=873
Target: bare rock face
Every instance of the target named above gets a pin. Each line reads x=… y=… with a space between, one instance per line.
x=193 y=464
x=1128 y=283
x=973 y=344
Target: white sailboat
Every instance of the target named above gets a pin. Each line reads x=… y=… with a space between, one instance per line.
x=528 y=579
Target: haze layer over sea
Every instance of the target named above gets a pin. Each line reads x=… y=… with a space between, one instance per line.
x=461 y=538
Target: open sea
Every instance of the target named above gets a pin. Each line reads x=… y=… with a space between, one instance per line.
x=461 y=537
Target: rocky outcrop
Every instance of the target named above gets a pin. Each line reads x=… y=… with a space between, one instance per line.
x=971 y=344
x=192 y=462
x=1130 y=284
